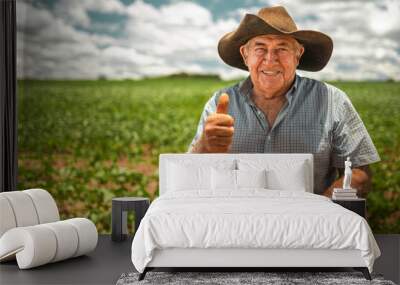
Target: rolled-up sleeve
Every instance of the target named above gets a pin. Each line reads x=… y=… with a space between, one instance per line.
x=350 y=137
x=209 y=108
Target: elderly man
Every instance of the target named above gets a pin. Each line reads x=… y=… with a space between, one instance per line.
x=275 y=110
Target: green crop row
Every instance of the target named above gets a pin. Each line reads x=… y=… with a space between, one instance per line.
x=89 y=141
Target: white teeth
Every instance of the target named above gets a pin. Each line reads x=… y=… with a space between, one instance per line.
x=270 y=72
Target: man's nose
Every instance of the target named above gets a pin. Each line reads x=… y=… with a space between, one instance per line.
x=271 y=55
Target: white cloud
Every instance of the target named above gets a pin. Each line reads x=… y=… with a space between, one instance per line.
x=384 y=18
x=76 y=12
x=366 y=36
x=183 y=37
x=183 y=34
x=73 y=13
x=116 y=54
x=175 y=38
x=48 y=47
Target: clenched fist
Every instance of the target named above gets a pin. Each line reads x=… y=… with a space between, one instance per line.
x=218 y=129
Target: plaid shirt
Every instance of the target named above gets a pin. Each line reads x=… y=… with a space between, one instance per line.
x=317 y=118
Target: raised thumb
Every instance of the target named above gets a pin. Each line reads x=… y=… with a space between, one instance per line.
x=223 y=104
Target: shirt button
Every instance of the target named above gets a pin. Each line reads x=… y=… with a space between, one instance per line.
x=268 y=137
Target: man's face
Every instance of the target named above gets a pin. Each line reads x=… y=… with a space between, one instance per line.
x=272 y=62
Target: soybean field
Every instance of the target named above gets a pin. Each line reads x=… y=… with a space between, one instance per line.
x=89 y=141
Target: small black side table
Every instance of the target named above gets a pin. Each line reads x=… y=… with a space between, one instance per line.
x=356 y=205
x=120 y=208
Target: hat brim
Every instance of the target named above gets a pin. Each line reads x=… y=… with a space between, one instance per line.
x=317 y=46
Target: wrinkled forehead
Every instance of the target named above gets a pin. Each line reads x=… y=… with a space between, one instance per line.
x=273 y=39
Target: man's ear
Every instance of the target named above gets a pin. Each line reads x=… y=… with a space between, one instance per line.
x=300 y=53
x=244 y=53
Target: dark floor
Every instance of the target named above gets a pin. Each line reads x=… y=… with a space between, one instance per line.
x=102 y=266
x=111 y=259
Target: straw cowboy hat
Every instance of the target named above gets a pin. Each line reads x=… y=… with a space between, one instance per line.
x=276 y=21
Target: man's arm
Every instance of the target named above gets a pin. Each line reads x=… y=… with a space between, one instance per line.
x=360 y=180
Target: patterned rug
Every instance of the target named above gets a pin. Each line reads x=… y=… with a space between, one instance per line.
x=243 y=278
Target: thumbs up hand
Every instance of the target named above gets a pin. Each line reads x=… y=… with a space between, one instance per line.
x=218 y=129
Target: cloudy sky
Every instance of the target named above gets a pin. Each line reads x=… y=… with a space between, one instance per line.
x=75 y=39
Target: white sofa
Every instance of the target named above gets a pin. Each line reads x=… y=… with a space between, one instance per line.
x=31 y=231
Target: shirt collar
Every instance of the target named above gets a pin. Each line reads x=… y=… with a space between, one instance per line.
x=246 y=86
x=294 y=89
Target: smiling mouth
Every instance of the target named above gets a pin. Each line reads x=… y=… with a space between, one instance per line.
x=270 y=73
